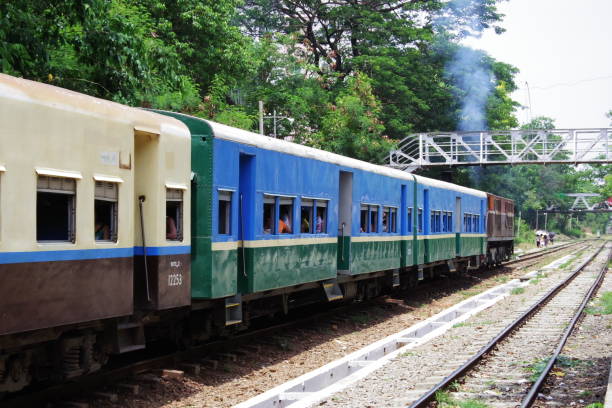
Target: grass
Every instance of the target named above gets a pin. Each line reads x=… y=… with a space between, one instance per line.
x=595 y=405
x=537 y=367
x=502 y=279
x=466 y=324
x=603 y=305
x=446 y=401
x=517 y=291
x=469 y=293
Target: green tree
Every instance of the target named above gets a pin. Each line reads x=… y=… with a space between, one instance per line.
x=351 y=126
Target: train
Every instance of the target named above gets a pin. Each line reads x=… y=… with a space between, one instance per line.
x=121 y=226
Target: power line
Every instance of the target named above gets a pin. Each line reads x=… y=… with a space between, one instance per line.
x=570 y=84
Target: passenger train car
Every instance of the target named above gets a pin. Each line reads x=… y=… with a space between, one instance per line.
x=120 y=226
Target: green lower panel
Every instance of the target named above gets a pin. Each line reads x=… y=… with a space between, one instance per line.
x=280 y=266
x=439 y=249
x=344 y=253
x=213 y=273
x=472 y=246
x=374 y=256
x=420 y=251
x=407 y=255
x=224 y=279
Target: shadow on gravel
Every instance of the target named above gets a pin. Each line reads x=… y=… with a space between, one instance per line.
x=221 y=385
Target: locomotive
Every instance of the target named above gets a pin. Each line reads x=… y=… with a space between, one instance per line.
x=121 y=226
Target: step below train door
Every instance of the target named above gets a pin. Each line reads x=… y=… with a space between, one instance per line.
x=345 y=225
x=458 y=218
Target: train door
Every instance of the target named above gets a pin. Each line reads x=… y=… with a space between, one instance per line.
x=247 y=216
x=345 y=217
x=458 y=218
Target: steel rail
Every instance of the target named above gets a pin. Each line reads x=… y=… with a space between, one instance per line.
x=78 y=386
x=459 y=372
x=539 y=254
x=535 y=388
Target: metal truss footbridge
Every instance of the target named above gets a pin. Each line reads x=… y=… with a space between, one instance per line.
x=484 y=148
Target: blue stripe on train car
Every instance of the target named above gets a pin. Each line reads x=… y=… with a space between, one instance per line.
x=87 y=254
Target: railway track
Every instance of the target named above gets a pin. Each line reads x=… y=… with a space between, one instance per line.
x=509 y=370
x=82 y=386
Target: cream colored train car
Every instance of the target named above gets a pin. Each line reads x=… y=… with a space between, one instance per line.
x=77 y=175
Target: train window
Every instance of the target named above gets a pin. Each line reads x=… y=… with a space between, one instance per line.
x=432 y=222
x=285 y=222
x=389 y=222
x=409 y=223
x=321 y=219
x=306 y=216
x=105 y=211
x=450 y=222
x=269 y=214
x=438 y=221
x=444 y=221
x=420 y=220
x=174 y=214
x=373 y=218
x=476 y=223
x=225 y=212
x=465 y=222
x=55 y=209
x=364 y=219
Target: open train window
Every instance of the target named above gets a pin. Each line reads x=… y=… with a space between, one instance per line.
x=321 y=218
x=269 y=218
x=364 y=219
x=450 y=222
x=174 y=214
x=105 y=211
x=444 y=221
x=393 y=220
x=373 y=218
x=55 y=209
x=306 y=226
x=285 y=222
x=225 y=212
x=432 y=222
x=409 y=223
x=476 y=223
x=386 y=220
x=420 y=220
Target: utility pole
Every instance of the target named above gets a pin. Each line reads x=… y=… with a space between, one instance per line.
x=261 y=116
x=545 y=221
x=274 y=118
x=518 y=226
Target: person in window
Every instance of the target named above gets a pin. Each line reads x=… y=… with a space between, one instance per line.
x=102 y=231
x=284 y=225
x=319 y=224
x=171 y=231
x=305 y=225
x=384 y=223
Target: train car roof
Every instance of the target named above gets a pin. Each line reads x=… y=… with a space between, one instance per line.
x=20 y=89
x=249 y=138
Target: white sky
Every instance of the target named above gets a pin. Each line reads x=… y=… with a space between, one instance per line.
x=563 y=49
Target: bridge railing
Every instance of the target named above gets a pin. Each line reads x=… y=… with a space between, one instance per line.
x=481 y=148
